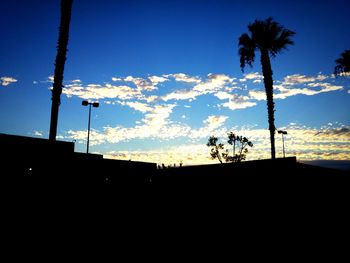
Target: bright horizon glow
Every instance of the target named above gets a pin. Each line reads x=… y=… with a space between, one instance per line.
x=167 y=76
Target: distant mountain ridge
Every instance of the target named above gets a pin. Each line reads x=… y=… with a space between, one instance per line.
x=334 y=164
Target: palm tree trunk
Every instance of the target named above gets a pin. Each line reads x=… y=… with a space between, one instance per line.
x=218 y=154
x=66 y=7
x=268 y=82
x=234 y=148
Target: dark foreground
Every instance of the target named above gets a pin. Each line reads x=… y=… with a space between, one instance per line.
x=55 y=200
x=31 y=166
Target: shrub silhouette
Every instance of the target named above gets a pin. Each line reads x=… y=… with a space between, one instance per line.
x=217 y=149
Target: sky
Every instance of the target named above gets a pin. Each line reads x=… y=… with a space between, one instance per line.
x=167 y=76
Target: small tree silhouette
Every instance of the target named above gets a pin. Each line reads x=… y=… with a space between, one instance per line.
x=343 y=63
x=241 y=142
x=242 y=145
x=216 y=148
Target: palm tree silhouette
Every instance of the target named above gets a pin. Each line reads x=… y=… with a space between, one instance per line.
x=270 y=38
x=66 y=7
x=343 y=63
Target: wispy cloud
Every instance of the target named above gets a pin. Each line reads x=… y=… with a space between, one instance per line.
x=143 y=84
x=157 y=98
x=181 y=95
x=157 y=79
x=213 y=83
x=211 y=125
x=189 y=154
x=331 y=141
x=311 y=89
x=300 y=79
x=257 y=94
x=184 y=78
x=255 y=77
x=239 y=95
x=298 y=84
x=235 y=102
x=96 y=91
x=142 y=107
x=38 y=133
x=155 y=125
x=305 y=143
x=342 y=74
x=5 y=81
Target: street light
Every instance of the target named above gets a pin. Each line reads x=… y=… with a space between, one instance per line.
x=283 y=133
x=94 y=104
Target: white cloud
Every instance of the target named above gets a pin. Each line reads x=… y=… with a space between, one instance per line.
x=142 y=84
x=235 y=102
x=222 y=95
x=181 y=95
x=95 y=91
x=143 y=107
x=297 y=84
x=38 y=133
x=256 y=77
x=285 y=91
x=257 y=94
x=149 y=99
x=156 y=79
x=238 y=103
x=189 y=154
x=344 y=74
x=194 y=154
x=157 y=118
x=155 y=125
x=76 y=81
x=5 y=81
x=301 y=79
x=211 y=125
x=306 y=143
x=184 y=78
x=214 y=83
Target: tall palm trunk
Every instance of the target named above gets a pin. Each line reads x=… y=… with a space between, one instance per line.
x=268 y=82
x=66 y=7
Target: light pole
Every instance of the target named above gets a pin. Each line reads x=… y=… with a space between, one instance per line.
x=94 y=104
x=283 y=133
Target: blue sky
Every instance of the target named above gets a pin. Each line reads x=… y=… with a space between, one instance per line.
x=167 y=76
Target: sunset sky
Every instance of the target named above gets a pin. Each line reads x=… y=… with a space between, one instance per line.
x=167 y=76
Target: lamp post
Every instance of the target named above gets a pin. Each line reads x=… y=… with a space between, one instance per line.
x=283 y=133
x=94 y=104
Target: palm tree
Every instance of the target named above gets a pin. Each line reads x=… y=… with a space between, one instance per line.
x=270 y=38
x=343 y=63
x=66 y=7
